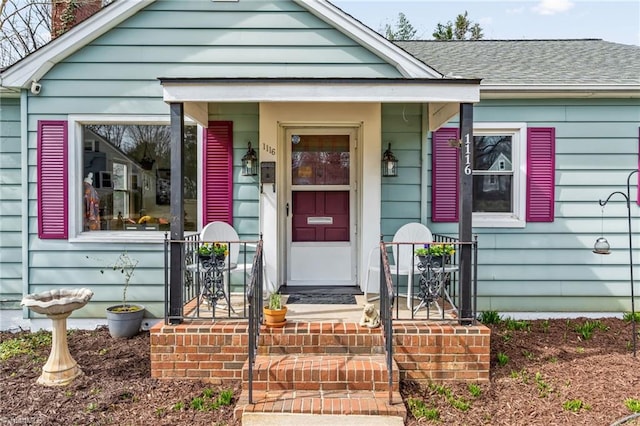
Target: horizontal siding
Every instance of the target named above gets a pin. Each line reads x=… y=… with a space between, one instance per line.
x=551 y=266
x=401 y=196
x=10 y=203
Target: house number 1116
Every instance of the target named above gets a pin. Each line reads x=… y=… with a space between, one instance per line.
x=467 y=155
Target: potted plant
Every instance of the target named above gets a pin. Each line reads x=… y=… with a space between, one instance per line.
x=217 y=250
x=275 y=311
x=436 y=254
x=124 y=320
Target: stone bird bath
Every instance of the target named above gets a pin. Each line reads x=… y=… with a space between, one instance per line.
x=61 y=368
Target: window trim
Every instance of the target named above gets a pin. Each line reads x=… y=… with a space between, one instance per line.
x=75 y=167
x=516 y=219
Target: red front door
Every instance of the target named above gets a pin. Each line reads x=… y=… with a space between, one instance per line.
x=320 y=216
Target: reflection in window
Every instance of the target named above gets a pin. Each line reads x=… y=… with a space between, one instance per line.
x=493 y=174
x=126 y=174
x=320 y=160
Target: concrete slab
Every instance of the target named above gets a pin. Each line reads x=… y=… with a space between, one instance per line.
x=287 y=419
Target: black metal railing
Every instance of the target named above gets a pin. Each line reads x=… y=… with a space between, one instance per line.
x=430 y=284
x=254 y=300
x=213 y=287
x=387 y=300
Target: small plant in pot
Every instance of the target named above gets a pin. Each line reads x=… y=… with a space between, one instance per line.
x=124 y=320
x=437 y=254
x=217 y=250
x=275 y=311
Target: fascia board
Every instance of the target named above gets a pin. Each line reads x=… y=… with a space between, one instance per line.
x=559 y=91
x=204 y=91
x=407 y=64
x=36 y=65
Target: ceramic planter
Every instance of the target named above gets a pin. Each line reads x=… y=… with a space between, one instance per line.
x=124 y=321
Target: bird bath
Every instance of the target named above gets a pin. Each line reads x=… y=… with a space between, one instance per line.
x=61 y=368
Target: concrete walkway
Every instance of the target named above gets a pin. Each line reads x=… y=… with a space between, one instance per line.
x=287 y=419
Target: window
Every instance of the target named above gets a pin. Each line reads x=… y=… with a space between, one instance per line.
x=513 y=175
x=126 y=177
x=498 y=193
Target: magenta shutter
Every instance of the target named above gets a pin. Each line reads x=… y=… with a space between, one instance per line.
x=541 y=154
x=445 y=165
x=217 y=176
x=52 y=180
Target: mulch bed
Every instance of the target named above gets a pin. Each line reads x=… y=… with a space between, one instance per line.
x=548 y=365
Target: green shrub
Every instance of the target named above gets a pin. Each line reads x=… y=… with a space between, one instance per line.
x=489 y=317
x=503 y=359
x=421 y=411
x=632 y=404
x=575 y=405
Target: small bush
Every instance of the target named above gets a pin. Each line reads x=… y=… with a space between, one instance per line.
x=489 y=317
x=503 y=359
x=421 y=411
x=627 y=316
x=575 y=405
x=517 y=325
x=632 y=404
x=587 y=328
x=474 y=390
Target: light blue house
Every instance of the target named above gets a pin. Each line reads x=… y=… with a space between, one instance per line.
x=319 y=96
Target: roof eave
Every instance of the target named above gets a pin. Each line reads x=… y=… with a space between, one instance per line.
x=37 y=64
x=559 y=91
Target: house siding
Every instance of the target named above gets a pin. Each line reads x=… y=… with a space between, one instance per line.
x=550 y=267
x=11 y=205
x=117 y=74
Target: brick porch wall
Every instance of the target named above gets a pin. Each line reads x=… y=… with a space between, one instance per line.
x=424 y=352
x=442 y=352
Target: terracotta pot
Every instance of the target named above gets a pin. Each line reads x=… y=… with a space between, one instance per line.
x=275 y=317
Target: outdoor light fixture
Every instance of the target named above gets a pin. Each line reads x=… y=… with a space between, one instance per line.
x=602 y=247
x=389 y=163
x=250 y=162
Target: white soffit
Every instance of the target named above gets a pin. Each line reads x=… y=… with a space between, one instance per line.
x=369 y=91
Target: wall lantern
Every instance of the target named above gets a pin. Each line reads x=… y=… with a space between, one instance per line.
x=602 y=247
x=389 y=163
x=250 y=162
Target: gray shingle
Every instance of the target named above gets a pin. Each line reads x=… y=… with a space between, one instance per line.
x=532 y=62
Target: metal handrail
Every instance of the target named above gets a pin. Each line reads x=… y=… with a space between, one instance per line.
x=254 y=300
x=387 y=300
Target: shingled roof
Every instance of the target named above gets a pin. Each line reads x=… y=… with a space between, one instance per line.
x=532 y=62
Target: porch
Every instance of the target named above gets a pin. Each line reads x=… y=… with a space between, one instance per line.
x=322 y=361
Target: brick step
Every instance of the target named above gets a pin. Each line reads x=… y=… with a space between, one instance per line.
x=321 y=372
x=322 y=402
x=323 y=337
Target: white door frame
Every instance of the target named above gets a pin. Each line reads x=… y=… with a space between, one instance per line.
x=351 y=271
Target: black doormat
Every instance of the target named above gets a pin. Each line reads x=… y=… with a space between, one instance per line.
x=321 y=299
x=320 y=290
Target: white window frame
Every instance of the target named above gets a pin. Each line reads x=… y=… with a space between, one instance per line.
x=516 y=218
x=75 y=169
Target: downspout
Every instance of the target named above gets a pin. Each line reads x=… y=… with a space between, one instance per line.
x=24 y=179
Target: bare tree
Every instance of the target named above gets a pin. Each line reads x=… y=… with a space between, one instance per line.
x=25 y=25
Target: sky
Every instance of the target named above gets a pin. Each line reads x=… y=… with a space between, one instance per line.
x=611 y=20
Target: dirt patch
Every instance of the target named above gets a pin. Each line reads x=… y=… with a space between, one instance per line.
x=550 y=375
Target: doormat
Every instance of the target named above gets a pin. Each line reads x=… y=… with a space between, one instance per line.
x=321 y=299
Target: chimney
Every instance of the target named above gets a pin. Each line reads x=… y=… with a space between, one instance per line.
x=65 y=14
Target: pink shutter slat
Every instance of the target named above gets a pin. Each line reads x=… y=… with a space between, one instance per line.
x=52 y=180
x=445 y=164
x=218 y=176
x=541 y=174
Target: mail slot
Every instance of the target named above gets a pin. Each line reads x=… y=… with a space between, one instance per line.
x=321 y=220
